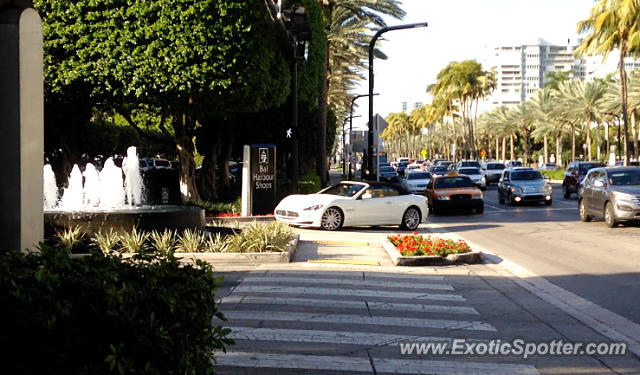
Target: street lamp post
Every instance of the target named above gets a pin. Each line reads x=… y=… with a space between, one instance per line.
x=371 y=47
x=351 y=116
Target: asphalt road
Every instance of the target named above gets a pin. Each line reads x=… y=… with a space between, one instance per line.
x=591 y=260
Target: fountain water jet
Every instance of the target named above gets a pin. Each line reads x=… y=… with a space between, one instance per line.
x=111 y=198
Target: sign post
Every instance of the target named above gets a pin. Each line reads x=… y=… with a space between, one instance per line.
x=259 y=179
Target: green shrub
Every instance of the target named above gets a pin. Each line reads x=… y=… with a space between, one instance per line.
x=215 y=208
x=164 y=242
x=554 y=175
x=259 y=237
x=309 y=183
x=71 y=238
x=105 y=315
x=190 y=241
x=107 y=241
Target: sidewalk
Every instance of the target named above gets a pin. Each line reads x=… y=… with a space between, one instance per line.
x=355 y=317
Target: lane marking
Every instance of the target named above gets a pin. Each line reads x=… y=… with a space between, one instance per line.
x=331 y=337
x=357 y=319
x=372 y=305
x=242 y=288
x=363 y=364
x=494 y=207
x=372 y=283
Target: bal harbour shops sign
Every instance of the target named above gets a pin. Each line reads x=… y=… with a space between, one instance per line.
x=258 y=179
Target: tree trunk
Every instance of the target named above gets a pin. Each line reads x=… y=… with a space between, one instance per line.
x=559 y=149
x=598 y=143
x=573 y=142
x=634 y=134
x=623 y=91
x=504 y=148
x=185 y=149
x=208 y=189
x=588 y=150
x=321 y=164
x=546 y=149
x=513 y=155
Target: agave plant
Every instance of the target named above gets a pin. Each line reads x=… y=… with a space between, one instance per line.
x=134 y=241
x=274 y=236
x=70 y=238
x=164 y=242
x=107 y=241
x=190 y=241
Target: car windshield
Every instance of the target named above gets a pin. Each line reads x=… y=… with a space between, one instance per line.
x=343 y=190
x=469 y=163
x=526 y=175
x=625 y=177
x=403 y=163
x=419 y=176
x=495 y=166
x=454 y=182
x=469 y=171
x=438 y=169
x=162 y=163
x=584 y=168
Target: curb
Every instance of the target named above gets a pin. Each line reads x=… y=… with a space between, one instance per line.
x=429 y=260
x=253 y=258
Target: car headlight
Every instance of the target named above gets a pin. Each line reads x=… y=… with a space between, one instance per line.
x=483 y=179
x=547 y=187
x=476 y=196
x=313 y=208
x=516 y=189
x=623 y=196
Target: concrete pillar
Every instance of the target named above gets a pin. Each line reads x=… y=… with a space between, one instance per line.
x=21 y=126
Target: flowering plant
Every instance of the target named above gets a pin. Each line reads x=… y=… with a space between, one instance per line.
x=415 y=244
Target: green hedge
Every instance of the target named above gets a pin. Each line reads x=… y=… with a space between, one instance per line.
x=309 y=183
x=105 y=315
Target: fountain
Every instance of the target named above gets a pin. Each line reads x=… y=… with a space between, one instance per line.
x=111 y=198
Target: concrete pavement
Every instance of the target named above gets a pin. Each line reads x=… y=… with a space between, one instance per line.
x=347 y=315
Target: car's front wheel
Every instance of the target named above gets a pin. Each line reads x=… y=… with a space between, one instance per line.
x=332 y=219
x=565 y=192
x=610 y=216
x=410 y=219
x=582 y=210
x=479 y=208
x=500 y=198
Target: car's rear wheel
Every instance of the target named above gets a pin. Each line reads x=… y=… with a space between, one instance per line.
x=565 y=192
x=582 y=210
x=610 y=216
x=332 y=219
x=410 y=219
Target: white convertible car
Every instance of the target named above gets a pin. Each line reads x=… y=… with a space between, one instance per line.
x=353 y=203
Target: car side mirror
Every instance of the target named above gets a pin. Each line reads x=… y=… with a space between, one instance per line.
x=367 y=196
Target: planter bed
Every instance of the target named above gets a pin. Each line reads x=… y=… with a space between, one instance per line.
x=226 y=221
x=264 y=257
x=429 y=260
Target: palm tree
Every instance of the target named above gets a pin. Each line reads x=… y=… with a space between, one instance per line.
x=584 y=103
x=613 y=24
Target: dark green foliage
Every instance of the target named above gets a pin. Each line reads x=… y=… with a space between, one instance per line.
x=309 y=183
x=332 y=124
x=311 y=72
x=215 y=208
x=105 y=315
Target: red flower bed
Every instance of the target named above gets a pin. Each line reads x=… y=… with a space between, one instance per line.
x=415 y=244
x=227 y=214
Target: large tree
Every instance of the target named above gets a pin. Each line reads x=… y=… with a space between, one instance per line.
x=183 y=58
x=613 y=24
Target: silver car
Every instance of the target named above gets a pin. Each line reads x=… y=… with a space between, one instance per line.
x=475 y=174
x=416 y=181
x=519 y=185
x=611 y=193
x=493 y=171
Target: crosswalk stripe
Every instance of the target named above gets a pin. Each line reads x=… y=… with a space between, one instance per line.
x=330 y=337
x=357 y=319
x=372 y=283
x=372 y=305
x=363 y=364
x=248 y=288
x=415 y=276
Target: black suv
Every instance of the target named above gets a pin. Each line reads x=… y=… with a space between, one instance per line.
x=574 y=174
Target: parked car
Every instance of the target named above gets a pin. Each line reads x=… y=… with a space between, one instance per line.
x=574 y=174
x=523 y=184
x=154 y=163
x=438 y=171
x=548 y=167
x=493 y=171
x=513 y=164
x=387 y=173
x=610 y=193
x=350 y=203
x=444 y=163
x=454 y=192
x=416 y=181
x=475 y=175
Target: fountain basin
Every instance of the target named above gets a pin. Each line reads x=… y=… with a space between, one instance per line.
x=146 y=218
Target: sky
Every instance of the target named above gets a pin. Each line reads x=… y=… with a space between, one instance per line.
x=458 y=30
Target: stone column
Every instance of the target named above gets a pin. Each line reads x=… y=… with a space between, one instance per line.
x=21 y=126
